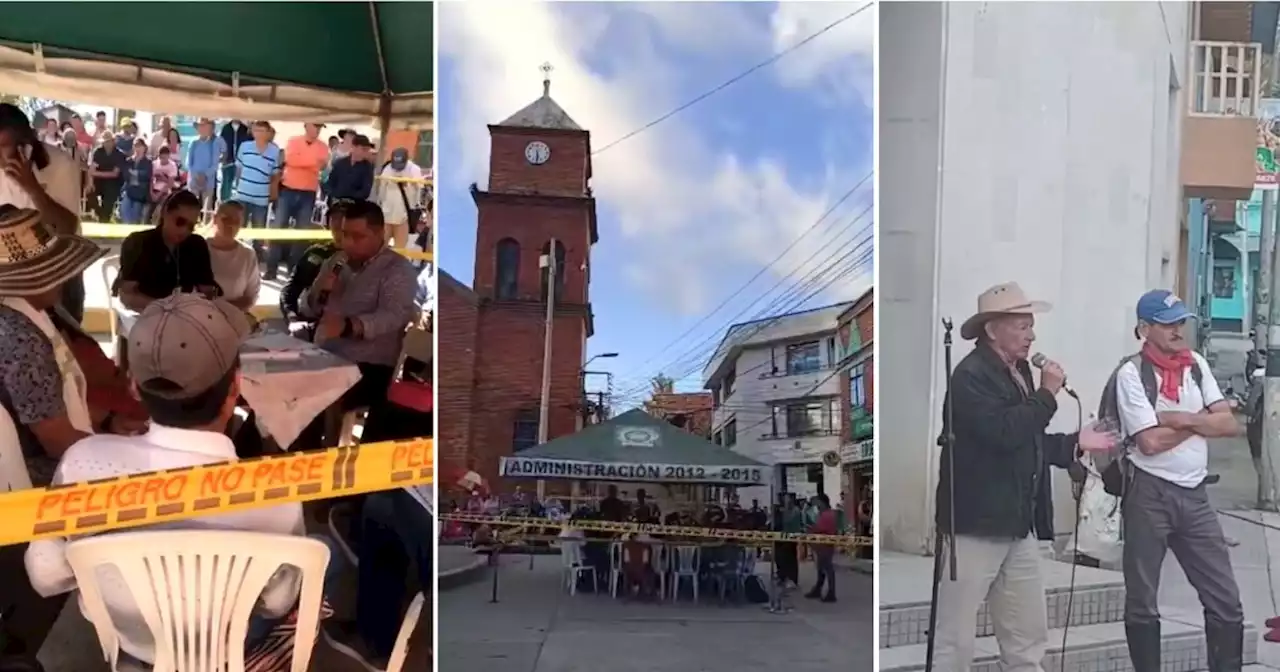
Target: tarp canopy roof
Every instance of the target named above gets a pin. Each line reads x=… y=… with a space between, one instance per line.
x=338 y=62
x=635 y=446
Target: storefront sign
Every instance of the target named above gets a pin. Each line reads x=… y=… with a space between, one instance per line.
x=861 y=451
x=525 y=467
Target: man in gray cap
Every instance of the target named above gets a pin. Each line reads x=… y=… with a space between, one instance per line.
x=399 y=192
x=184 y=358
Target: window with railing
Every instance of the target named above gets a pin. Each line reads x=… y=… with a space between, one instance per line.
x=1225 y=78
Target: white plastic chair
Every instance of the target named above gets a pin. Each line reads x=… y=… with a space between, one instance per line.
x=196 y=590
x=687 y=558
x=401 y=651
x=575 y=564
x=111 y=271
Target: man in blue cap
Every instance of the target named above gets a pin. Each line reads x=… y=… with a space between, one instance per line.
x=1169 y=404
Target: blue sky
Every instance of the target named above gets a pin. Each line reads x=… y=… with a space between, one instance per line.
x=692 y=208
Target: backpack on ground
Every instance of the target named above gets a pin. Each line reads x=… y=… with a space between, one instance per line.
x=1113 y=465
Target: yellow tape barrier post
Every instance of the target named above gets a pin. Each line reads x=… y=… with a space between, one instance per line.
x=667 y=530
x=177 y=494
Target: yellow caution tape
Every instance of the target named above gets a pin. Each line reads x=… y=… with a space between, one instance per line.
x=407 y=180
x=665 y=530
x=119 y=231
x=177 y=494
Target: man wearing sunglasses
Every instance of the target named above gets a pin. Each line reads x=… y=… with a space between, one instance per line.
x=167 y=258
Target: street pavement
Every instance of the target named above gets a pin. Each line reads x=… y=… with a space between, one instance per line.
x=1255 y=551
x=538 y=627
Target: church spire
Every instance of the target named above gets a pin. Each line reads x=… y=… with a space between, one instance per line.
x=543 y=112
x=546 y=79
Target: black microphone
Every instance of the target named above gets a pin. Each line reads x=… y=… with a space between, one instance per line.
x=1038 y=360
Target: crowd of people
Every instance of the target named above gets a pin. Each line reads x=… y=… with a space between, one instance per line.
x=78 y=415
x=791 y=514
x=123 y=175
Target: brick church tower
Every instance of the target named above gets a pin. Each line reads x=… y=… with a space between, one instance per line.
x=492 y=335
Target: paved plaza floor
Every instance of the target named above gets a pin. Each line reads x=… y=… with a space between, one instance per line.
x=537 y=627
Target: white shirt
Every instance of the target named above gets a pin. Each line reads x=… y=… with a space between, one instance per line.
x=236 y=272
x=60 y=179
x=109 y=455
x=389 y=192
x=1188 y=463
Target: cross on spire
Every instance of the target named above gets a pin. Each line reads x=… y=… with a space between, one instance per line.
x=546 y=78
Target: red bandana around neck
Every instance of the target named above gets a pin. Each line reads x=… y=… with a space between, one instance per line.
x=1171 y=367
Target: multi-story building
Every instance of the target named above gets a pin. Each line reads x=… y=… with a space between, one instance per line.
x=690 y=411
x=1075 y=186
x=775 y=386
x=855 y=355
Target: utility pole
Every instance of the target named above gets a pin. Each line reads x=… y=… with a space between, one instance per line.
x=544 y=410
x=1262 y=293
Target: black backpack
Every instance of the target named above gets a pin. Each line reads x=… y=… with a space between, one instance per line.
x=1111 y=466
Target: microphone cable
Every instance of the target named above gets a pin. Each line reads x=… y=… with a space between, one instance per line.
x=1078 y=495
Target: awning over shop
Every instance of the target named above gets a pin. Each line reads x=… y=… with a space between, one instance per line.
x=309 y=61
x=635 y=446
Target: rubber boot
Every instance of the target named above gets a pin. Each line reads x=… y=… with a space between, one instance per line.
x=1225 y=647
x=816 y=593
x=1144 y=645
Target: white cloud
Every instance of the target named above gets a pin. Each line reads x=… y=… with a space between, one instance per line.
x=683 y=208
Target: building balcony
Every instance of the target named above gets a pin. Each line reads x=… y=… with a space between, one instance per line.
x=1219 y=144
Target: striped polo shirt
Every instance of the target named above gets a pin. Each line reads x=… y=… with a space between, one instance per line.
x=256 y=168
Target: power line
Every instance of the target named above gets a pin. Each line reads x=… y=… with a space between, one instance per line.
x=737 y=78
x=779 y=307
x=758 y=274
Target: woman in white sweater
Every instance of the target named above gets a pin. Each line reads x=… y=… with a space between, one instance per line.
x=235 y=266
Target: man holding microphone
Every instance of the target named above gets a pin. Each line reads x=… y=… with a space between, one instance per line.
x=1003 y=498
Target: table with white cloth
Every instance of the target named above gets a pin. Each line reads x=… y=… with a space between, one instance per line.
x=285 y=380
x=288 y=382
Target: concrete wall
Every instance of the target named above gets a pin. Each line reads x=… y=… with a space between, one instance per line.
x=1022 y=141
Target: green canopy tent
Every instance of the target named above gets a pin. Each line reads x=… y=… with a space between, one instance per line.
x=336 y=62
x=637 y=447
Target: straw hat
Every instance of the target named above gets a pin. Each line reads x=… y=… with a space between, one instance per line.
x=33 y=260
x=1006 y=299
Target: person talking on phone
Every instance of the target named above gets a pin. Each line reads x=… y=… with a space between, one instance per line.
x=1003 y=501
x=33 y=177
x=1169 y=404
x=167 y=258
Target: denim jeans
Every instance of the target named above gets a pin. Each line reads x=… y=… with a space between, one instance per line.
x=260 y=625
x=293 y=211
x=228 y=181
x=395 y=528
x=255 y=216
x=131 y=210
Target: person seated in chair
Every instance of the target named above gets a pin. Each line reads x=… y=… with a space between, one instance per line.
x=190 y=395
x=168 y=258
x=307 y=268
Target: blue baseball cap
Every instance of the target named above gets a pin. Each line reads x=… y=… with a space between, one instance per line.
x=1161 y=306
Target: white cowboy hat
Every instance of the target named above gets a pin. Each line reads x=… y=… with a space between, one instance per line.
x=1006 y=299
x=33 y=260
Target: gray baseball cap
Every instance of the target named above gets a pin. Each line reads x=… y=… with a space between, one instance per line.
x=187 y=340
x=399 y=158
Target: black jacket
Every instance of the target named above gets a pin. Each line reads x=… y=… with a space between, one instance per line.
x=303 y=274
x=350 y=179
x=234 y=138
x=1002 y=453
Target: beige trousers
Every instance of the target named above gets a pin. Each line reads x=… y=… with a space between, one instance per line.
x=1007 y=575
